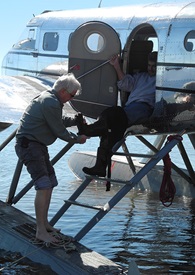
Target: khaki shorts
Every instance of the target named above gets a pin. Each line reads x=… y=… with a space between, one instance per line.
x=36 y=159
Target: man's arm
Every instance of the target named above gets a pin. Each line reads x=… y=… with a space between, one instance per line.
x=115 y=62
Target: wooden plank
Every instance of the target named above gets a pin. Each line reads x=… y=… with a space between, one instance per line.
x=17 y=230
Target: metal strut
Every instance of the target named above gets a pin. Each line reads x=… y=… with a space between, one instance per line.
x=128 y=185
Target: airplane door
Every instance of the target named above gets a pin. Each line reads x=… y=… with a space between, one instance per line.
x=90 y=47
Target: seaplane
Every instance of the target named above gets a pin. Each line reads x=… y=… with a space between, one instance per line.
x=82 y=42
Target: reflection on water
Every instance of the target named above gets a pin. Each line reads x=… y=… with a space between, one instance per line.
x=160 y=239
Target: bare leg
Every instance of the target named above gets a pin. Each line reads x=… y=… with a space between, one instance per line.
x=42 y=201
x=48 y=226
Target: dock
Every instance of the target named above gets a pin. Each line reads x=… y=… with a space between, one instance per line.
x=17 y=234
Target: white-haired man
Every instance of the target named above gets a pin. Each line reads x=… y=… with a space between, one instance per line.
x=41 y=124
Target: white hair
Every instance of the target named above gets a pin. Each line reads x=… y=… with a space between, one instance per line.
x=67 y=82
x=189 y=85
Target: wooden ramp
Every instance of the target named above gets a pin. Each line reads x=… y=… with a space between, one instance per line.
x=17 y=234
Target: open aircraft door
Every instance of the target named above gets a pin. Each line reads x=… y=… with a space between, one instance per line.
x=90 y=47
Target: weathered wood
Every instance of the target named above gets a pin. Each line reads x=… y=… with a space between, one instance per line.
x=17 y=230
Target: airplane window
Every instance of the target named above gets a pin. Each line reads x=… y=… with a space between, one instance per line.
x=27 y=44
x=155 y=42
x=95 y=43
x=50 y=41
x=31 y=34
x=27 y=40
x=189 y=41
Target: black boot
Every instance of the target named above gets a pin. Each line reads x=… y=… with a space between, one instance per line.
x=98 y=128
x=101 y=163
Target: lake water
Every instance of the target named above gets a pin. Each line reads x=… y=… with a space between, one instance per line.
x=161 y=240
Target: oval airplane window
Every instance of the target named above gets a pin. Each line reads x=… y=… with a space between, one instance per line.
x=189 y=41
x=95 y=43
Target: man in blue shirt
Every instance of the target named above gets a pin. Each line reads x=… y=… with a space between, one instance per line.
x=113 y=122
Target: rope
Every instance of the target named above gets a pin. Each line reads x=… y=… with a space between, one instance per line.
x=16 y=261
x=109 y=172
x=167 y=189
x=64 y=242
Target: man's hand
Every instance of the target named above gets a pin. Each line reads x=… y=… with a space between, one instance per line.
x=115 y=60
x=116 y=63
x=82 y=139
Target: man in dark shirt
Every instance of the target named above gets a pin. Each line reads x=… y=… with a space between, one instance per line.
x=41 y=124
